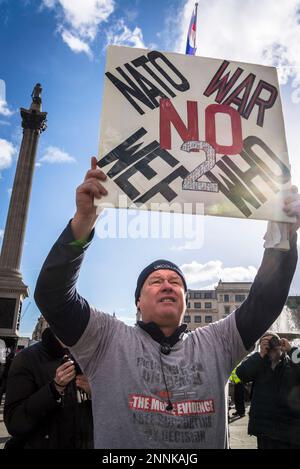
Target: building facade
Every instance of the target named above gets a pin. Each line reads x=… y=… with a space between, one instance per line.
x=39 y=328
x=206 y=306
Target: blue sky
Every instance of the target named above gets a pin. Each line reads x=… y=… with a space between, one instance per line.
x=61 y=44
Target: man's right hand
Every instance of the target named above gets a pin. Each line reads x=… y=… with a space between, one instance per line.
x=85 y=217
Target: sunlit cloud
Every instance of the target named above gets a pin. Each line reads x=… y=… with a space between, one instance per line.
x=55 y=155
x=79 y=21
x=121 y=34
x=213 y=271
x=7 y=151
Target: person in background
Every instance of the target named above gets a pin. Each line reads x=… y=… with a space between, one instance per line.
x=238 y=395
x=275 y=405
x=47 y=403
x=4 y=376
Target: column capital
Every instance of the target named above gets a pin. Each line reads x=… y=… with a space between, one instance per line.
x=34 y=120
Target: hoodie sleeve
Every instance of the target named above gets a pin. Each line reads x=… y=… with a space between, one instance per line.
x=250 y=367
x=55 y=294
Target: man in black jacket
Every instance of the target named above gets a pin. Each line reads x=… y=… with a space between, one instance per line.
x=275 y=406
x=47 y=405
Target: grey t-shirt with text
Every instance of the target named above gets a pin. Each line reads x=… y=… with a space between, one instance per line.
x=127 y=373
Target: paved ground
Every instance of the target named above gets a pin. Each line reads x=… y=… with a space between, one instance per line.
x=237 y=428
x=238 y=436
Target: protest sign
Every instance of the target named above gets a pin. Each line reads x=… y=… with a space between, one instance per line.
x=179 y=129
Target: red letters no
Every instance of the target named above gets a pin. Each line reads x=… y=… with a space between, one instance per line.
x=169 y=115
x=236 y=129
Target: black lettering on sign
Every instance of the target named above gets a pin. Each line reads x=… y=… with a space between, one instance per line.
x=126 y=153
x=130 y=90
x=234 y=189
x=163 y=187
x=143 y=167
x=183 y=84
x=240 y=183
x=284 y=175
x=245 y=104
x=248 y=175
x=143 y=90
x=148 y=88
x=142 y=62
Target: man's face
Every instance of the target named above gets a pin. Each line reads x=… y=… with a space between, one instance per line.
x=162 y=299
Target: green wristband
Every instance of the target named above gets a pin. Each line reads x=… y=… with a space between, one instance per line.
x=79 y=243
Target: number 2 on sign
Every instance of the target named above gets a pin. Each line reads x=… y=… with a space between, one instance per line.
x=190 y=137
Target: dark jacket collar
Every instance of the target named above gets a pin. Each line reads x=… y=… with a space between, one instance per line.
x=156 y=333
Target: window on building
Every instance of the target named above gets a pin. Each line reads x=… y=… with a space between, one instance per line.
x=188 y=305
x=187 y=319
x=197 y=305
x=208 y=305
x=240 y=298
x=208 y=319
x=197 y=295
x=208 y=295
x=197 y=319
x=227 y=309
x=226 y=298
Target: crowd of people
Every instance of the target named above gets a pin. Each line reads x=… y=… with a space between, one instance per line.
x=155 y=385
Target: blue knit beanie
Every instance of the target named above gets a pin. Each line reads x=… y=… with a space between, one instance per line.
x=160 y=264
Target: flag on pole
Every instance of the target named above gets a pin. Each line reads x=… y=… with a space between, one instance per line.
x=191 y=38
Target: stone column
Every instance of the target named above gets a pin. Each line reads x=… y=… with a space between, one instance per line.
x=12 y=288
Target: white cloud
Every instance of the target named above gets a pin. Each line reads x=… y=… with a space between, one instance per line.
x=122 y=35
x=9 y=191
x=227 y=30
x=79 y=20
x=75 y=44
x=1 y=233
x=7 y=151
x=4 y=110
x=56 y=155
x=212 y=271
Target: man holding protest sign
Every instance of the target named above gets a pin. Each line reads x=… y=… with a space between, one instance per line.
x=155 y=385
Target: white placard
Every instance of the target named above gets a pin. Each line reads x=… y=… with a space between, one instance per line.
x=180 y=129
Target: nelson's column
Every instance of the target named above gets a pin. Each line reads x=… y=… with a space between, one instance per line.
x=12 y=288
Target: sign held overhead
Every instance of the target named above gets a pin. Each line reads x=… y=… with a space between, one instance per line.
x=182 y=129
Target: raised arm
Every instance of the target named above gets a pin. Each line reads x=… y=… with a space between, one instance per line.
x=55 y=294
x=271 y=285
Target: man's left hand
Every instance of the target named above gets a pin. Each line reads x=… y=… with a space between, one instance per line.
x=292 y=208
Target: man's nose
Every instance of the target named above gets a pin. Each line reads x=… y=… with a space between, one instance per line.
x=166 y=285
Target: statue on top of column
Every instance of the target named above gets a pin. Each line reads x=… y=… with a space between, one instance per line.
x=36 y=94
